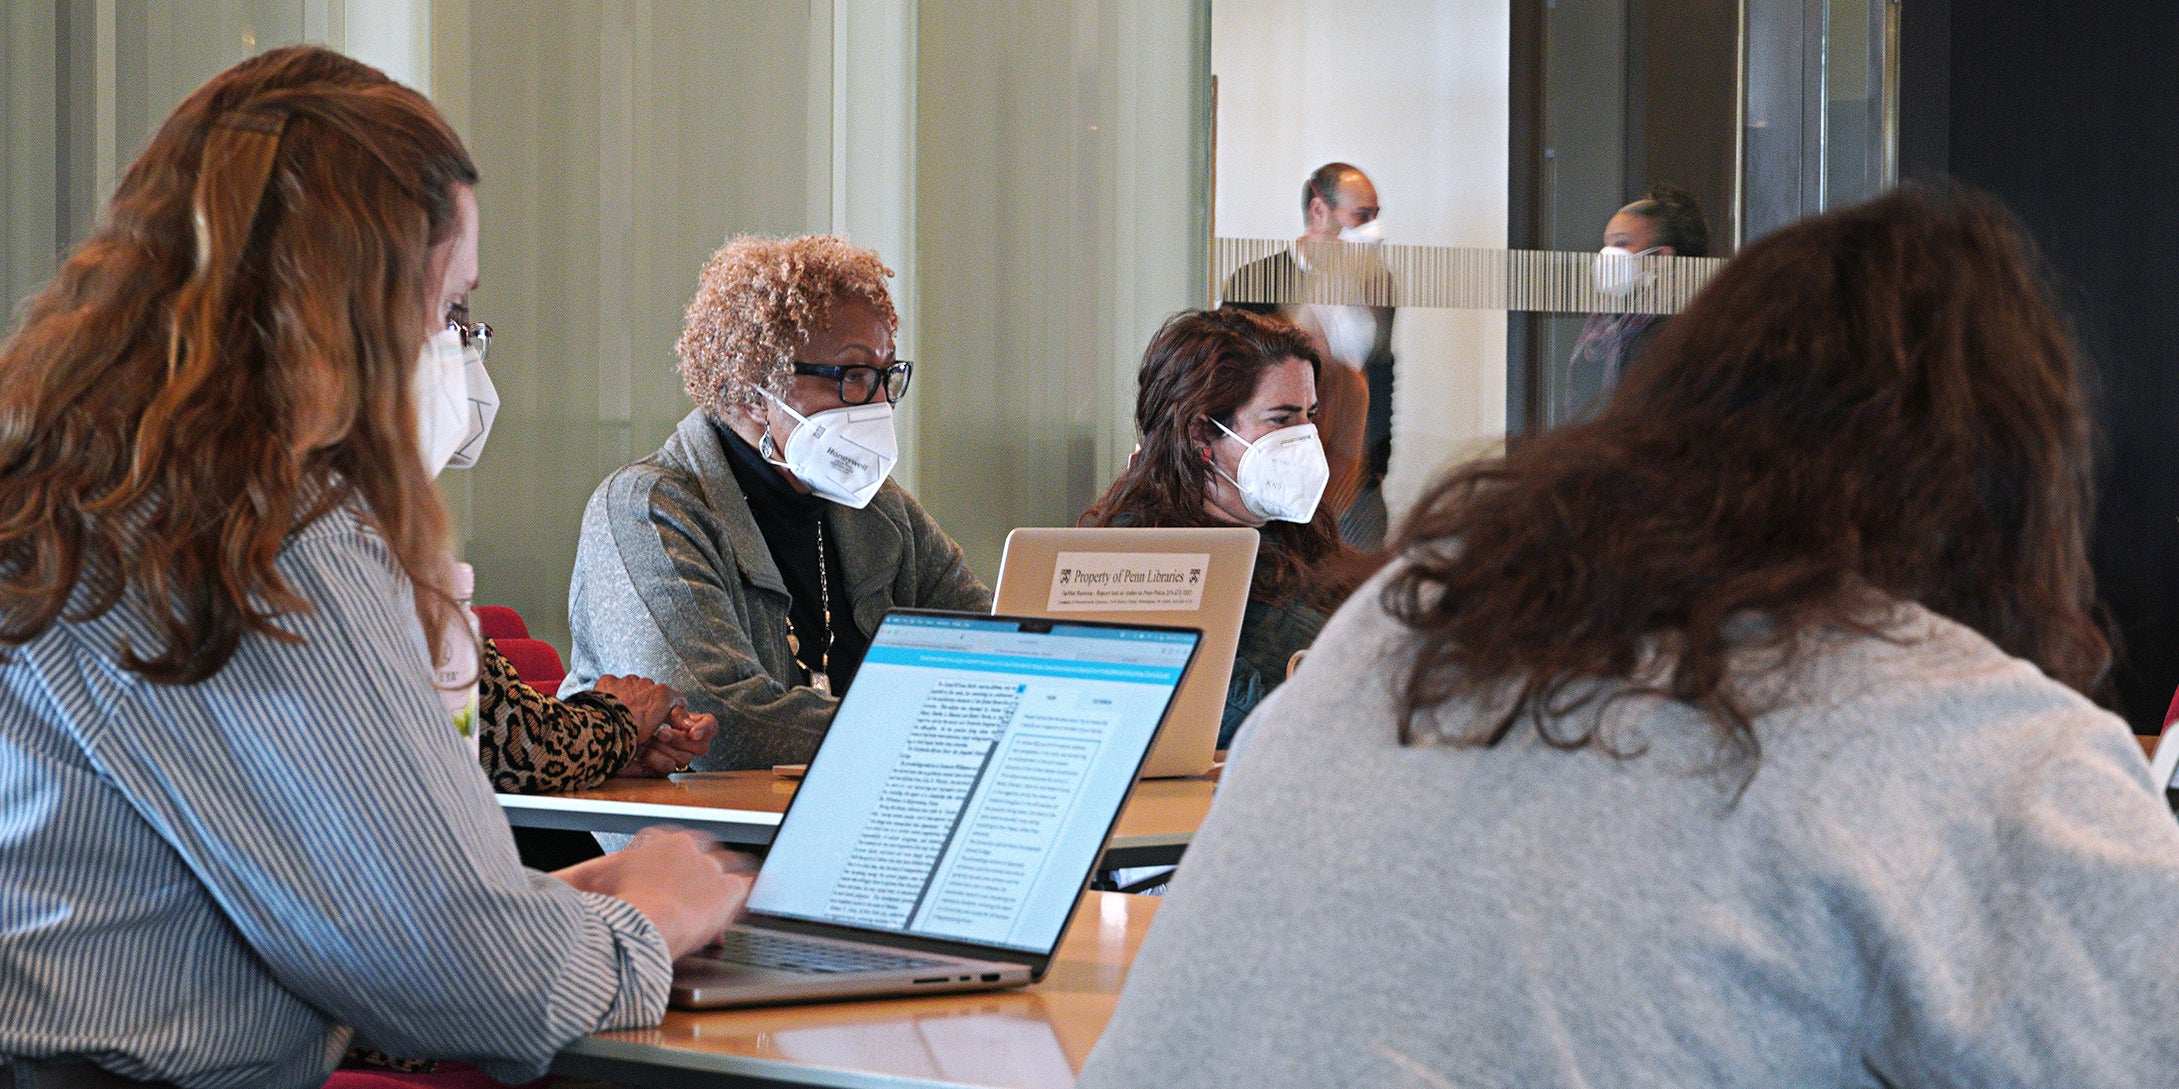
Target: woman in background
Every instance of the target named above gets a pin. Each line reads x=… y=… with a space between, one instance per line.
x=223 y=583
x=1665 y=222
x=1735 y=738
x=1225 y=405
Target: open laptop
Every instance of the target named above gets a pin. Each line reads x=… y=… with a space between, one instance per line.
x=1196 y=578
x=2164 y=766
x=949 y=823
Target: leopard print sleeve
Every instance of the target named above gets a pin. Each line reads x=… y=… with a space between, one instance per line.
x=532 y=743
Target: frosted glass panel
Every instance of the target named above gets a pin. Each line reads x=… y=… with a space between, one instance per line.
x=1045 y=226
x=1465 y=278
x=620 y=144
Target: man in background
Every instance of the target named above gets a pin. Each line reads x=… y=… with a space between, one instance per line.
x=1340 y=293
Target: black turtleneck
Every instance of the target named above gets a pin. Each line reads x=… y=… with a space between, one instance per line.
x=788 y=519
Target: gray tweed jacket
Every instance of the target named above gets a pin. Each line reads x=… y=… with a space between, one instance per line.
x=674 y=582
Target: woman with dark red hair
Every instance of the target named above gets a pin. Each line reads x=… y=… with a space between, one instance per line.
x=241 y=829
x=1226 y=406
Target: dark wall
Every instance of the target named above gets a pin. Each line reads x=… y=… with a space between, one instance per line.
x=1682 y=91
x=2070 y=113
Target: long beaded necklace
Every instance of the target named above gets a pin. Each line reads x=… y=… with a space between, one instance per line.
x=821 y=677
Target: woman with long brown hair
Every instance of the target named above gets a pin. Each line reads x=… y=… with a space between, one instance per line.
x=1736 y=737
x=1219 y=388
x=223 y=582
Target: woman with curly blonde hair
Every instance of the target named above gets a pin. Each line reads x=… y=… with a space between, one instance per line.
x=747 y=561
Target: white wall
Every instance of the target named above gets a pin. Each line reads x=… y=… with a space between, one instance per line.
x=1415 y=93
x=133 y=61
x=393 y=36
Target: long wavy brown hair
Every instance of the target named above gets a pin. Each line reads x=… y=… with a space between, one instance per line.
x=1203 y=365
x=1875 y=406
x=227 y=358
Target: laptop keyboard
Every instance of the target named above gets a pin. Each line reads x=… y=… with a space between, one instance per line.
x=761 y=950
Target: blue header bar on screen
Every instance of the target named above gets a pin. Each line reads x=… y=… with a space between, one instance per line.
x=1072 y=631
x=964 y=623
x=1072 y=669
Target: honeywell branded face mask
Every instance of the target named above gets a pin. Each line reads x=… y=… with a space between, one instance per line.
x=843 y=454
x=1282 y=475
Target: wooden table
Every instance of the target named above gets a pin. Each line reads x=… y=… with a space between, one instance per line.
x=743 y=808
x=1029 y=1038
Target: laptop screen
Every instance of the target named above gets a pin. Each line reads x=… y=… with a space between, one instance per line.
x=970 y=776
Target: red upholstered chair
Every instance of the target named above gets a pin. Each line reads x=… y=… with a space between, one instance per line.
x=449 y=1076
x=2172 y=715
x=500 y=622
x=535 y=662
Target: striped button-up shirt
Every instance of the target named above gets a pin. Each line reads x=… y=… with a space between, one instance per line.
x=227 y=883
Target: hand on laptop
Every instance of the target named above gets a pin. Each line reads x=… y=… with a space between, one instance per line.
x=686 y=884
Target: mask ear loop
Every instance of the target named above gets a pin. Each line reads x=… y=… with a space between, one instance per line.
x=1236 y=435
x=1220 y=469
x=766 y=448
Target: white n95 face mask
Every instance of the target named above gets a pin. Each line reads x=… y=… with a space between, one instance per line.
x=843 y=454
x=1368 y=234
x=1283 y=474
x=440 y=389
x=1617 y=270
x=483 y=408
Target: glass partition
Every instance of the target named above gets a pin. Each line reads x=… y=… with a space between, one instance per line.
x=1041 y=227
x=1050 y=176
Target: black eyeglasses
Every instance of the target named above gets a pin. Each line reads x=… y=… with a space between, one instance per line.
x=861 y=383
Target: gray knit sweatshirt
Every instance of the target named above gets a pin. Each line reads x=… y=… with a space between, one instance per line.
x=1948 y=871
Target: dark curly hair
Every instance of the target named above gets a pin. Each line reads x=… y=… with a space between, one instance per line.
x=1676 y=218
x=1203 y=365
x=1876 y=406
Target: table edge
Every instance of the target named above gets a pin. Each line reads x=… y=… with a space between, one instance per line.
x=611 y=1054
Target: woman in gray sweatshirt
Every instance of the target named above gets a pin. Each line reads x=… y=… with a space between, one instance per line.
x=1735 y=737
